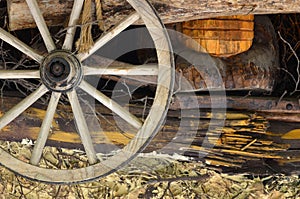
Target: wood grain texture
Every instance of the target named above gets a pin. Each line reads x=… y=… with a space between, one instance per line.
x=170 y=11
x=243 y=138
x=222 y=36
x=54 y=12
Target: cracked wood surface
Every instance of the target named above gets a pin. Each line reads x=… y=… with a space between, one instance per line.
x=245 y=136
x=170 y=11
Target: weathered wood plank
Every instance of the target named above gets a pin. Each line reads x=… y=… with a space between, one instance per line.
x=243 y=140
x=55 y=12
x=237 y=134
x=272 y=108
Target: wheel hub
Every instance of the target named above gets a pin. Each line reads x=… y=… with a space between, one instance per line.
x=61 y=71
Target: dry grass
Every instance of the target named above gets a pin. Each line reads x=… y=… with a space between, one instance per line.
x=152 y=177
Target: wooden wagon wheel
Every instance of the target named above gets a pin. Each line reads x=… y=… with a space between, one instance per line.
x=62 y=71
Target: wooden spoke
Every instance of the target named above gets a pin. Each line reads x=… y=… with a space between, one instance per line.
x=45 y=128
x=41 y=24
x=22 y=106
x=110 y=35
x=138 y=133
x=24 y=48
x=112 y=105
x=124 y=69
x=82 y=127
x=74 y=17
x=17 y=74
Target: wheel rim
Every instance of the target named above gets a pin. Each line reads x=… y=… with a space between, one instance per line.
x=61 y=66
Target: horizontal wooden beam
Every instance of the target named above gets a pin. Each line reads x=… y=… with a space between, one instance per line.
x=244 y=136
x=184 y=10
x=272 y=108
x=170 y=11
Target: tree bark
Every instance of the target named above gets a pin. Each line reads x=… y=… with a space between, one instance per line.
x=170 y=11
x=55 y=12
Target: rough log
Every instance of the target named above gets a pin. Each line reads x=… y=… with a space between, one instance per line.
x=54 y=12
x=170 y=11
x=255 y=69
